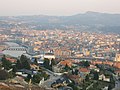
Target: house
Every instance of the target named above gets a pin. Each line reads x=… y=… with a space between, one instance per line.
x=117 y=58
x=116 y=64
x=25 y=72
x=49 y=56
x=11 y=60
x=104 y=78
x=61 y=82
x=93 y=67
x=62 y=52
x=67 y=62
x=83 y=72
x=75 y=78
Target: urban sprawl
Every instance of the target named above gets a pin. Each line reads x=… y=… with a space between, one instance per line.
x=59 y=60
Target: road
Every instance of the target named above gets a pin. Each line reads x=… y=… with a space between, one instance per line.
x=117 y=85
x=117 y=82
x=53 y=78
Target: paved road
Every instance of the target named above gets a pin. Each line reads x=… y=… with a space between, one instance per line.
x=52 y=78
x=117 y=85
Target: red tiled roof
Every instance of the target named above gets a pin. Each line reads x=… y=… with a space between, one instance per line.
x=11 y=60
x=74 y=76
x=68 y=62
x=117 y=71
x=116 y=64
x=84 y=70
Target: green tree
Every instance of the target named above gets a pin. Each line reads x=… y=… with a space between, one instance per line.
x=36 y=78
x=25 y=62
x=46 y=63
x=19 y=64
x=112 y=80
x=66 y=68
x=86 y=64
x=28 y=78
x=110 y=87
x=14 y=69
x=3 y=75
x=87 y=78
x=45 y=75
x=5 y=63
x=35 y=61
x=53 y=62
x=96 y=75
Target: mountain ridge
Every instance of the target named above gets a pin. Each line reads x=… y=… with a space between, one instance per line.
x=89 y=21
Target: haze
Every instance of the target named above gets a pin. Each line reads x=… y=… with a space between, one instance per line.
x=57 y=7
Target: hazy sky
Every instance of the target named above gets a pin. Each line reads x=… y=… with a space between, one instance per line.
x=56 y=7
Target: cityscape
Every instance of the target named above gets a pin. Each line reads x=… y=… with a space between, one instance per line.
x=52 y=52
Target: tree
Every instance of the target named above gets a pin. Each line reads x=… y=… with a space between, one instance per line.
x=76 y=71
x=86 y=64
x=36 y=78
x=28 y=78
x=25 y=62
x=53 y=62
x=5 y=63
x=46 y=63
x=66 y=67
x=96 y=75
x=112 y=80
x=19 y=64
x=110 y=87
x=35 y=61
x=3 y=75
x=87 y=78
x=14 y=69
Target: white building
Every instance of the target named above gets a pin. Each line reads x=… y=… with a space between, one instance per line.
x=15 y=51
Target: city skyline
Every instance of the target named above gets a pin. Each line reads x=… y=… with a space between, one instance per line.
x=57 y=7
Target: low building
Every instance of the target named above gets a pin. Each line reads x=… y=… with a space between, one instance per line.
x=62 y=52
x=117 y=58
x=25 y=72
x=67 y=62
x=11 y=60
x=49 y=56
x=83 y=72
x=104 y=78
x=76 y=78
x=15 y=51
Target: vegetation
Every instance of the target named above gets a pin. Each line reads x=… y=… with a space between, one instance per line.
x=5 y=63
x=4 y=75
x=24 y=62
x=36 y=78
x=67 y=68
x=87 y=78
x=85 y=63
x=49 y=63
x=96 y=75
x=99 y=85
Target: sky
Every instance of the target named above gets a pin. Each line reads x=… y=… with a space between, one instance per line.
x=57 y=7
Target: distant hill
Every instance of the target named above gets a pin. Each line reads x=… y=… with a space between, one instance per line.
x=89 y=21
